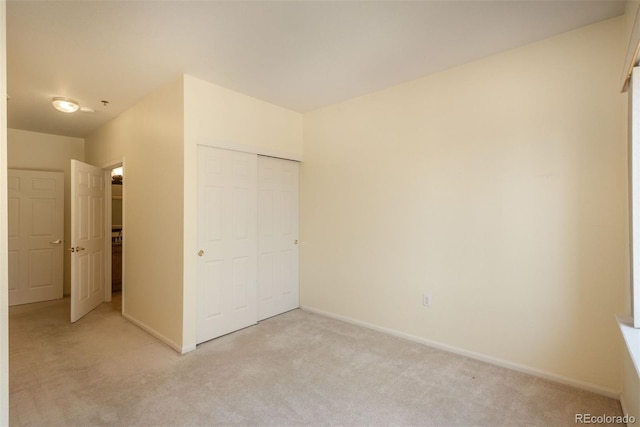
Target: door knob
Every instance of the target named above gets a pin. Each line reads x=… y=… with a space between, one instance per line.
x=79 y=248
x=200 y=252
x=56 y=242
x=295 y=242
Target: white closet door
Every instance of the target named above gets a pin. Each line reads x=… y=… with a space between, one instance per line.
x=277 y=236
x=227 y=242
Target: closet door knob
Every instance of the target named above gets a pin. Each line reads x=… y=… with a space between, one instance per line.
x=200 y=252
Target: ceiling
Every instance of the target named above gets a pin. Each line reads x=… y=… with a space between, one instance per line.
x=301 y=55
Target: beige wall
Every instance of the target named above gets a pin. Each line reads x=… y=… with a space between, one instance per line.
x=499 y=188
x=41 y=151
x=149 y=137
x=220 y=117
x=217 y=115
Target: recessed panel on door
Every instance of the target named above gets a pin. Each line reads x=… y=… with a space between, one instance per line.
x=41 y=261
x=43 y=217
x=213 y=282
x=14 y=268
x=15 y=219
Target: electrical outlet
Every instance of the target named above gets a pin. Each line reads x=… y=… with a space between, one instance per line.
x=426 y=300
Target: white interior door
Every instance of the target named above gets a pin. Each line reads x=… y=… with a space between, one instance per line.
x=227 y=241
x=36 y=232
x=87 y=238
x=278 y=282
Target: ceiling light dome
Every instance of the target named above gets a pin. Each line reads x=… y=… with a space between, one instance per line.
x=66 y=105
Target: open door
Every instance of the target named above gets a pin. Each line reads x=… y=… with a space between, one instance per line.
x=87 y=238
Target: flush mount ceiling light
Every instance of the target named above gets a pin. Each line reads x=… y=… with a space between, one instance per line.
x=66 y=105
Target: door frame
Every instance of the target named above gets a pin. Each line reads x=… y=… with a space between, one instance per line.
x=108 y=167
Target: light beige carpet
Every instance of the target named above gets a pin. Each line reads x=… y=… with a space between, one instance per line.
x=295 y=369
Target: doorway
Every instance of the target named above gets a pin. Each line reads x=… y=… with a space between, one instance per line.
x=92 y=236
x=115 y=244
x=117 y=230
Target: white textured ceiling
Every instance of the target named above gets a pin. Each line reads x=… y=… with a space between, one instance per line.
x=301 y=55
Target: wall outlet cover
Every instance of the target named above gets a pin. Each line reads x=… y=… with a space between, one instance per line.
x=426 y=300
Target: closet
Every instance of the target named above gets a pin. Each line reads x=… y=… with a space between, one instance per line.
x=247 y=268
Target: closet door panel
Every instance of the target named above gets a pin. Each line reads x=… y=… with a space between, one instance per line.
x=227 y=242
x=277 y=236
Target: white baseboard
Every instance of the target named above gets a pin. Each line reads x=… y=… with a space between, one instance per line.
x=623 y=404
x=477 y=356
x=188 y=348
x=156 y=334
